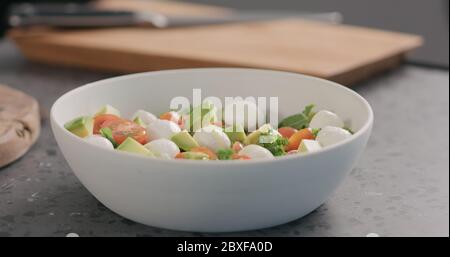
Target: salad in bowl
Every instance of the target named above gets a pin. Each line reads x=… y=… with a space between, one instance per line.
x=171 y=136
x=164 y=166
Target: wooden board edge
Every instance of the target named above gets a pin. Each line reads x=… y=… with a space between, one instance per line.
x=132 y=62
x=362 y=73
x=38 y=50
x=62 y=57
x=30 y=125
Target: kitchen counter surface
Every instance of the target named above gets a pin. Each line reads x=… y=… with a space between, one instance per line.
x=400 y=187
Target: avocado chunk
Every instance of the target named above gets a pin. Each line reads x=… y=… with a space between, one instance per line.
x=253 y=138
x=107 y=133
x=132 y=146
x=236 y=133
x=81 y=126
x=195 y=156
x=108 y=109
x=184 y=140
x=139 y=121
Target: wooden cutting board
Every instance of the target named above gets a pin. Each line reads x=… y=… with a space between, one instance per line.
x=19 y=124
x=342 y=53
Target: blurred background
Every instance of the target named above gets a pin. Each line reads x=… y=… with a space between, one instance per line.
x=429 y=19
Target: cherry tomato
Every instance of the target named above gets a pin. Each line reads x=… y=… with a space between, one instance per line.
x=173 y=116
x=237 y=146
x=100 y=119
x=181 y=123
x=188 y=155
x=218 y=124
x=206 y=150
x=179 y=155
x=240 y=157
x=287 y=132
x=121 y=129
x=292 y=152
x=297 y=137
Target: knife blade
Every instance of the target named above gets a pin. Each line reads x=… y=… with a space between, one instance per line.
x=87 y=16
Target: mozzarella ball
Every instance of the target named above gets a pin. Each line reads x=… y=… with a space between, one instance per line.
x=145 y=116
x=267 y=128
x=325 y=118
x=256 y=152
x=162 y=129
x=243 y=113
x=212 y=137
x=332 y=135
x=100 y=141
x=163 y=148
x=309 y=146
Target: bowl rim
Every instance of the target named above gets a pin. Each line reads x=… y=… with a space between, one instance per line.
x=367 y=125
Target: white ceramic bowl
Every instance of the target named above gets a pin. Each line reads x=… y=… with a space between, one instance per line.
x=211 y=196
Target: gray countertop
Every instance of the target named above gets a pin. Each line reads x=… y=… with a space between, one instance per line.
x=400 y=187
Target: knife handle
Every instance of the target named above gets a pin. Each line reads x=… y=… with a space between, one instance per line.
x=69 y=15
